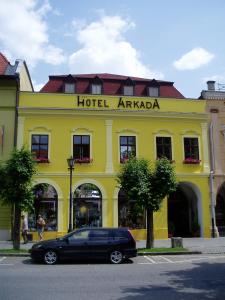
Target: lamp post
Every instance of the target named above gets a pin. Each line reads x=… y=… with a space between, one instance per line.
x=70 y=162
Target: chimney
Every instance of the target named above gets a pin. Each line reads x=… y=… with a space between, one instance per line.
x=211 y=85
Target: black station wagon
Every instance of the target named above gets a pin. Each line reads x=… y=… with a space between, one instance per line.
x=113 y=244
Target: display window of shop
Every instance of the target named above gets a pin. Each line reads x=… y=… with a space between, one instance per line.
x=129 y=213
x=127 y=148
x=46 y=205
x=191 y=150
x=87 y=209
x=81 y=148
x=163 y=147
x=39 y=146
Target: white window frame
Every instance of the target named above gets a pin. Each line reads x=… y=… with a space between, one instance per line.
x=127 y=134
x=41 y=133
x=96 y=89
x=70 y=88
x=164 y=135
x=153 y=91
x=128 y=90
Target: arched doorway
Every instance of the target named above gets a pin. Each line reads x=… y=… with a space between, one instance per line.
x=183 y=217
x=87 y=206
x=129 y=214
x=45 y=204
x=220 y=210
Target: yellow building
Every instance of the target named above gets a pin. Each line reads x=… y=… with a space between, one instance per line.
x=101 y=132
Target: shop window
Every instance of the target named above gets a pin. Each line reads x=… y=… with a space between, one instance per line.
x=127 y=147
x=191 y=150
x=39 y=147
x=128 y=90
x=70 y=88
x=87 y=206
x=153 y=91
x=45 y=204
x=164 y=147
x=81 y=148
x=129 y=213
x=96 y=89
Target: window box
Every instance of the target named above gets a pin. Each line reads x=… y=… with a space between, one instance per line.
x=84 y=160
x=193 y=161
x=42 y=160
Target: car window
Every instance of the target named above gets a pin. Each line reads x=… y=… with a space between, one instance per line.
x=84 y=234
x=121 y=234
x=99 y=234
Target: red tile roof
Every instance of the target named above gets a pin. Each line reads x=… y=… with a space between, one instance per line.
x=112 y=84
x=3 y=64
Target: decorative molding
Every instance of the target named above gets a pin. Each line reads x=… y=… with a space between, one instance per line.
x=190 y=132
x=40 y=128
x=163 y=131
x=129 y=130
x=81 y=129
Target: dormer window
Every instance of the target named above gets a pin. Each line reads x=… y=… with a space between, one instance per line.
x=128 y=88
x=96 y=89
x=69 y=88
x=153 y=91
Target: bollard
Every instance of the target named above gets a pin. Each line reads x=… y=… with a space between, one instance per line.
x=176 y=242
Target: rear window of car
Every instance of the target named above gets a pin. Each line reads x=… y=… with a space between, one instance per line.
x=121 y=234
x=99 y=234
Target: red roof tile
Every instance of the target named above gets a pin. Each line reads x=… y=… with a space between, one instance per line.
x=3 y=64
x=112 y=85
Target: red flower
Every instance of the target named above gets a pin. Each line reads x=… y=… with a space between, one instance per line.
x=84 y=160
x=190 y=160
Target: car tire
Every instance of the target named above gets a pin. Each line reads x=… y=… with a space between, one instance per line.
x=50 y=257
x=116 y=257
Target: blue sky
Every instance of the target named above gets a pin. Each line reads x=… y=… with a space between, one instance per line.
x=180 y=41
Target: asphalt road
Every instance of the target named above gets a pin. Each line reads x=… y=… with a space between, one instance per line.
x=151 y=277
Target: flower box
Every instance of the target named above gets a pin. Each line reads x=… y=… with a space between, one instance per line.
x=84 y=160
x=192 y=161
x=42 y=160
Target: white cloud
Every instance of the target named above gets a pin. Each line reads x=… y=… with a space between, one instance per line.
x=37 y=86
x=104 y=49
x=194 y=59
x=24 y=32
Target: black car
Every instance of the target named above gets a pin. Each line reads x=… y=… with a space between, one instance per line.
x=113 y=244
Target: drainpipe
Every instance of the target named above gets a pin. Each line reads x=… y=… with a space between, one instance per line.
x=212 y=172
x=16 y=110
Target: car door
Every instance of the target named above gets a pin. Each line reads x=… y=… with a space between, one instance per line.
x=77 y=245
x=100 y=242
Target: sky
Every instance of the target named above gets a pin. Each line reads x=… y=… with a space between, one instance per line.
x=172 y=40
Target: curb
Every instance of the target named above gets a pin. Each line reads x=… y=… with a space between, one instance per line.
x=138 y=254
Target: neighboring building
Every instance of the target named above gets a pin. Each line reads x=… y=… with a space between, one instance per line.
x=216 y=109
x=12 y=79
x=101 y=120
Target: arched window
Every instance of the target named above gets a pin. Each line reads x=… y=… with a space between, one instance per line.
x=45 y=204
x=129 y=213
x=87 y=210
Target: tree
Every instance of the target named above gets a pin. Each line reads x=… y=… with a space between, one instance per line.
x=148 y=186
x=16 y=186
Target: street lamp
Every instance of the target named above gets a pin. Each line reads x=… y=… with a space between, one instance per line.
x=70 y=162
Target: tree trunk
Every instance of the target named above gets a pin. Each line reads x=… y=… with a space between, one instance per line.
x=150 y=231
x=16 y=228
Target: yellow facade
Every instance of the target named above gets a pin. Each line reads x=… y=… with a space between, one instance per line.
x=105 y=119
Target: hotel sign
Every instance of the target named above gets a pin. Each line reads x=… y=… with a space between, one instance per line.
x=117 y=103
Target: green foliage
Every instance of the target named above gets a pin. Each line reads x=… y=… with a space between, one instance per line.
x=145 y=184
x=16 y=179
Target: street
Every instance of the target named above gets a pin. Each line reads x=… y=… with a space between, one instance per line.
x=145 y=277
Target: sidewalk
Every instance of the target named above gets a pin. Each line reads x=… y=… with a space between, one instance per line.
x=211 y=245
x=203 y=245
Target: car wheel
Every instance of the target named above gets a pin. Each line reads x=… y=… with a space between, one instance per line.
x=50 y=257
x=116 y=257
